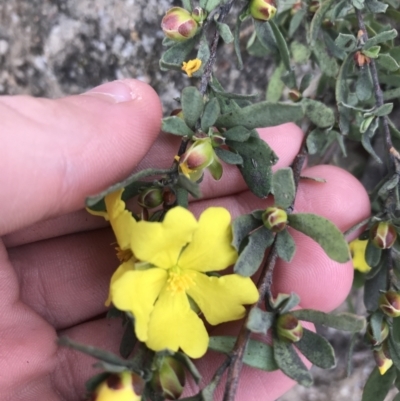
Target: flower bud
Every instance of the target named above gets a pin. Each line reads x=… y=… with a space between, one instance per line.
x=289 y=328
x=383 y=235
x=178 y=24
x=361 y=59
x=389 y=302
x=150 y=198
x=263 y=10
x=314 y=6
x=275 y=219
x=177 y=113
x=384 y=334
x=382 y=358
x=296 y=7
x=125 y=386
x=199 y=15
x=169 y=380
x=294 y=95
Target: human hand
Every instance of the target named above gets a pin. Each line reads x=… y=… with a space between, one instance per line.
x=55 y=277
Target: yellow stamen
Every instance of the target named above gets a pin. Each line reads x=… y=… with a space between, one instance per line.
x=191 y=66
x=123 y=254
x=178 y=282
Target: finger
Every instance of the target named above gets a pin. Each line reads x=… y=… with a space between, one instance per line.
x=64 y=150
x=285 y=140
x=319 y=281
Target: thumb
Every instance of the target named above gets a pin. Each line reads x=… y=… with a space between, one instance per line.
x=54 y=153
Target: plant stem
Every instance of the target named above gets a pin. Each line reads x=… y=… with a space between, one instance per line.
x=264 y=289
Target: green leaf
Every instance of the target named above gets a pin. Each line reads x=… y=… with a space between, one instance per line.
x=283 y=187
x=211 y=113
x=340 y=321
x=192 y=187
x=257 y=355
x=359 y=4
x=377 y=385
x=190 y=366
x=318 y=140
x=327 y=63
x=316 y=349
x=203 y=54
x=175 y=125
x=265 y=35
x=346 y=42
x=372 y=254
x=242 y=226
x=394 y=350
x=225 y=32
x=301 y=53
x=373 y=288
x=252 y=255
x=391 y=94
x=324 y=232
x=375 y=322
x=262 y=114
x=259 y=321
x=285 y=246
x=228 y=157
x=383 y=110
x=275 y=84
x=236 y=36
x=305 y=82
x=287 y=302
x=290 y=363
x=380 y=37
x=364 y=84
x=366 y=139
x=209 y=5
x=317 y=21
x=182 y=197
x=387 y=62
x=372 y=52
x=192 y=105
x=128 y=340
x=322 y=116
x=376 y=6
x=177 y=54
x=296 y=21
x=238 y=134
x=187 y=4
x=256 y=170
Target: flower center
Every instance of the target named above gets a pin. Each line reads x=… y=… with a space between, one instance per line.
x=123 y=254
x=178 y=281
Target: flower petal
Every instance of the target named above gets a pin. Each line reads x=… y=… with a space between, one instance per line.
x=161 y=243
x=121 y=219
x=221 y=299
x=135 y=292
x=122 y=269
x=174 y=325
x=211 y=248
x=357 y=250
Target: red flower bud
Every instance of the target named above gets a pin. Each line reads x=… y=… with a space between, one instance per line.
x=289 y=328
x=382 y=358
x=389 y=302
x=384 y=334
x=178 y=24
x=275 y=219
x=383 y=235
x=151 y=198
x=263 y=10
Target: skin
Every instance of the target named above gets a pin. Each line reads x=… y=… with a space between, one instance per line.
x=56 y=260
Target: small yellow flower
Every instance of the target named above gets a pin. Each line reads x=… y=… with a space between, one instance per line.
x=172 y=259
x=357 y=250
x=191 y=66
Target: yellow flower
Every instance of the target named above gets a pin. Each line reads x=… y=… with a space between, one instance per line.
x=125 y=386
x=357 y=249
x=122 y=223
x=191 y=66
x=174 y=256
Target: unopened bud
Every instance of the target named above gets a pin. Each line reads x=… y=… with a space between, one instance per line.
x=294 y=95
x=263 y=10
x=314 y=6
x=275 y=219
x=389 y=302
x=289 y=328
x=126 y=386
x=151 y=198
x=383 y=335
x=361 y=59
x=296 y=7
x=199 y=14
x=178 y=24
x=177 y=113
x=382 y=358
x=217 y=141
x=169 y=380
x=383 y=235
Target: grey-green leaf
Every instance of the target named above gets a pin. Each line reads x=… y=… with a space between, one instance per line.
x=328 y=64
x=322 y=116
x=225 y=32
x=373 y=288
x=341 y=321
x=175 y=125
x=228 y=157
x=259 y=321
x=372 y=254
x=317 y=21
x=178 y=53
x=192 y=105
x=210 y=115
x=287 y=302
x=283 y=187
x=262 y=114
x=387 y=62
x=380 y=38
x=253 y=254
x=364 y=84
x=316 y=349
x=324 y=232
x=242 y=226
x=290 y=363
x=238 y=134
x=285 y=246
x=377 y=385
x=258 y=355
x=346 y=42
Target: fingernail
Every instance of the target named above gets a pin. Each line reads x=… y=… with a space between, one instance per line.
x=116 y=92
